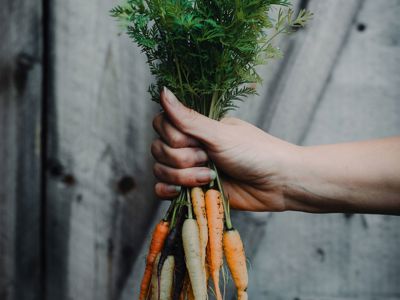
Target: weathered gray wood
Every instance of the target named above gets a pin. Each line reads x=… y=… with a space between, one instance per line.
x=289 y=98
x=364 y=89
x=308 y=69
x=335 y=256
x=20 y=149
x=100 y=193
x=86 y=216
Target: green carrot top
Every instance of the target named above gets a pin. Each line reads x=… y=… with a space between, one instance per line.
x=206 y=51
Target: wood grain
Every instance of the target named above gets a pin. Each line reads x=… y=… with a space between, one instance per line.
x=100 y=197
x=20 y=149
x=290 y=98
x=337 y=256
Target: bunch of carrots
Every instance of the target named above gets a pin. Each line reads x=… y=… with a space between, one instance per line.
x=206 y=52
x=188 y=246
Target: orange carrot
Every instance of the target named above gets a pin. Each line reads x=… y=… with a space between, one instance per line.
x=208 y=255
x=157 y=241
x=236 y=259
x=215 y=217
x=199 y=209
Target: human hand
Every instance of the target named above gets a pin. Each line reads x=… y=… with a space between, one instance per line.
x=251 y=162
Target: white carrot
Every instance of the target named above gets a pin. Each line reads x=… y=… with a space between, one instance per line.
x=164 y=291
x=191 y=245
x=199 y=209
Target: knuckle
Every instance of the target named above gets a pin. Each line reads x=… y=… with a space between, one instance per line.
x=154 y=149
x=157 y=190
x=175 y=140
x=157 y=148
x=157 y=170
x=156 y=121
x=178 y=178
x=184 y=160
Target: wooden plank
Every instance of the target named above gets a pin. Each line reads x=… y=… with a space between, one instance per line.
x=304 y=255
x=100 y=186
x=296 y=85
x=20 y=149
x=308 y=70
x=339 y=256
x=366 y=79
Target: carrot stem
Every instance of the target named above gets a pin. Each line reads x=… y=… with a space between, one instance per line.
x=170 y=208
x=176 y=204
x=212 y=105
x=189 y=203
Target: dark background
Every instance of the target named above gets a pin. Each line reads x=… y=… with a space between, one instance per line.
x=76 y=197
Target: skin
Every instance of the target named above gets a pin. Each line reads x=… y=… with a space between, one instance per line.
x=269 y=174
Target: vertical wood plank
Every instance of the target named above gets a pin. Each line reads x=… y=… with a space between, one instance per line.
x=338 y=256
x=299 y=83
x=100 y=189
x=20 y=149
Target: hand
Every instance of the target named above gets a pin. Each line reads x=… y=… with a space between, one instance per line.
x=251 y=162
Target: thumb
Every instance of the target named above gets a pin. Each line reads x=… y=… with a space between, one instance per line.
x=187 y=120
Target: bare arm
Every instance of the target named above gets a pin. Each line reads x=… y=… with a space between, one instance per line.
x=351 y=177
x=263 y=173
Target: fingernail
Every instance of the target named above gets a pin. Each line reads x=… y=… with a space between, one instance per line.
x=169 y=96
x=173 y=188
x=206 y=176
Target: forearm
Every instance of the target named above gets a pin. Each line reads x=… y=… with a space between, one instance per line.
x=354 y=177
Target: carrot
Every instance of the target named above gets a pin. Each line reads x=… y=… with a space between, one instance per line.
x=191 y=245
x=236 y=259
x=215 y=217
x=199 y=209
x=180 y=268
x=170 y=242
x=154 y=280
x=156 y=244
x=208 y=262
x=162 y=286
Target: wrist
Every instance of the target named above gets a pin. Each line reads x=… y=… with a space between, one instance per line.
x=312 y=184
x=299 y=182
x=285 y=178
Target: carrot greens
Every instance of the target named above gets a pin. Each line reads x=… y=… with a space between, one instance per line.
x=206 y=51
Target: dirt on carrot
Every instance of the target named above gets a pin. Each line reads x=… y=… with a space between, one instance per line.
x=215 y=217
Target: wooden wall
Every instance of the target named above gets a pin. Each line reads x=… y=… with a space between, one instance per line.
x=76 y=197
x=21 y=81
x=99 y=183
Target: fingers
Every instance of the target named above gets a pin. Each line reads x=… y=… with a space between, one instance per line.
x=166 y=191
x=172 y=136
x=178 y=157
x=195 y=176
x=188 y=121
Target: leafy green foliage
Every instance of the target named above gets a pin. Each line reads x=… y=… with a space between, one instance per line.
x=206 y=51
